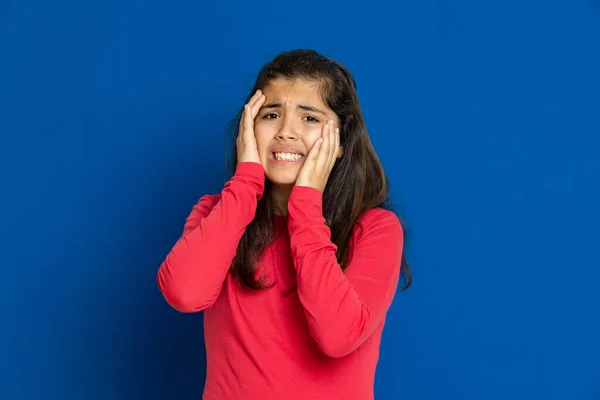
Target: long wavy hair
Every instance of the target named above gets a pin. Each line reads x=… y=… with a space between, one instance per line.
x=356 y=184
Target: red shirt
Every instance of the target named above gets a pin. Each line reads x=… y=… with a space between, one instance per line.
x=316 y=333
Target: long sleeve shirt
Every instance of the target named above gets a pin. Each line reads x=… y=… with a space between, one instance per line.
x=316 y=333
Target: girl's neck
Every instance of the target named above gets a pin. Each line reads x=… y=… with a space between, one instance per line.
x=281 y=194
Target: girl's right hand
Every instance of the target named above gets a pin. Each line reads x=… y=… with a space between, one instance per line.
x=247 y=150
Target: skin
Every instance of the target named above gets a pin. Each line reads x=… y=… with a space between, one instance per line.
x=274 y=118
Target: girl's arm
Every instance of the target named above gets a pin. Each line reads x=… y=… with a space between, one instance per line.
x=192 y=274
x=343 y=309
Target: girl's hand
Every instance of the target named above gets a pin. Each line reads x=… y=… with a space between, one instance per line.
x=246 y=142
x=321 y=158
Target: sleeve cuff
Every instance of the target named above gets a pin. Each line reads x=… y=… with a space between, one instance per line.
x=307 y=193
x=305 y=204
x=250 y=169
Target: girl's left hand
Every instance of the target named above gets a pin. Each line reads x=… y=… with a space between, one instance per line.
x=320 y=159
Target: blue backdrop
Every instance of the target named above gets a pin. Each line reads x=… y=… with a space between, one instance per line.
x=485 y=115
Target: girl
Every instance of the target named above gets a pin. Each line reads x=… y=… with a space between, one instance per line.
x=296 y=262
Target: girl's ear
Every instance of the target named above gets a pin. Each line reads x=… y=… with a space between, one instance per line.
x=340 y=152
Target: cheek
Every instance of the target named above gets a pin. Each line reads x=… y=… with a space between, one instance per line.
x=263 y=137
x=309 y=138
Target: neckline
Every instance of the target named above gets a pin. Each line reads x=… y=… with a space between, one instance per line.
x=280 y=219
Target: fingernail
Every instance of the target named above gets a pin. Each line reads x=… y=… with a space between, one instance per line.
x=320 y=140
x=337 y=130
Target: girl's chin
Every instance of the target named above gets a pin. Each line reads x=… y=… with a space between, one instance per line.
x=283 y=181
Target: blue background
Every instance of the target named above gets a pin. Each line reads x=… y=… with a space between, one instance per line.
x=485 y=115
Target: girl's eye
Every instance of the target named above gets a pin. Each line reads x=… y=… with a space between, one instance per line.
x=273 y=115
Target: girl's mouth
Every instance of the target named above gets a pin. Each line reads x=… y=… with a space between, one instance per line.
x=280 y=158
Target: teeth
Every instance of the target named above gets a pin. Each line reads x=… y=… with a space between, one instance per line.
x=287 y=156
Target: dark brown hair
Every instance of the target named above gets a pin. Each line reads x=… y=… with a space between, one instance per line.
x=356 y=184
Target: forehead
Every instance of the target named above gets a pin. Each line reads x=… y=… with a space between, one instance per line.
x=294 y=90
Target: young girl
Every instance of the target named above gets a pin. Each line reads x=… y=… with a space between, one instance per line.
x=296 y=262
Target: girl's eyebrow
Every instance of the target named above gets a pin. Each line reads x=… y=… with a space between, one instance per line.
x=300 y=106
x=310 y=108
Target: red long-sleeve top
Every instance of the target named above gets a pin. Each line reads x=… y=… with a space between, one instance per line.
x=316 y=333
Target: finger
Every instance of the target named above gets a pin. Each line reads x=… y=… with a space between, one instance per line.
x=332 y=148
x=248 y=123
x=255 y=97
x=323 y=159
x=255 y=108
x=336 y=149
x=246 y=116
x=313 y=154
x=248 y=106
x=243 y=117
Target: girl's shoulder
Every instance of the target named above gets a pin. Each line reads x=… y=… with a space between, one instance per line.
x=378 y=220
x=378 y=215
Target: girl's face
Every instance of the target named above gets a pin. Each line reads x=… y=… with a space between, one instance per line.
x=287 y=125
